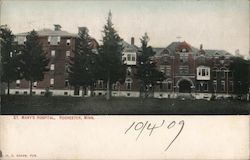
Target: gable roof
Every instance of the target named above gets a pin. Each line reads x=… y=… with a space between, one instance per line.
x=129 y=47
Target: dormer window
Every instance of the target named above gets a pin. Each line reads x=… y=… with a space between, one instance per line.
x=49 y=39
x=184 y=50
x=53 y=53
x=67 y=53
x=58 y=40
x=24 y=40
x=68 y=42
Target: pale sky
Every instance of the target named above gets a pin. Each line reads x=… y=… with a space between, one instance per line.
x=217 y=24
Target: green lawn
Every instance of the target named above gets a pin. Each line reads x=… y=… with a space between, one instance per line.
x=98 y=105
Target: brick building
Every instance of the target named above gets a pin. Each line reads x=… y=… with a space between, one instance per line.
x=197 y=73
x=58 y=46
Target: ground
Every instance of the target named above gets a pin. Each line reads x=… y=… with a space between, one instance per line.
x=98 y=105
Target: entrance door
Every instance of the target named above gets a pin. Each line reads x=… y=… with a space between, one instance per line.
x=185 y=86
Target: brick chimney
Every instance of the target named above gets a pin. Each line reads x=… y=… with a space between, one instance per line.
x=57 y=27
x=132 y=41
x=80 y=29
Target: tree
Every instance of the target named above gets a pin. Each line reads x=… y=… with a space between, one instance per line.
x=240 y=68
x=147 y=71
x=82 y=70
x=34 y=61
x=110 y=57
x=9 y=58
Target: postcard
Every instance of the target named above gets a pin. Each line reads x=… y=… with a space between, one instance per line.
x=123 y=79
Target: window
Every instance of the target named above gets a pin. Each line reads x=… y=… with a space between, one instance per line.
x=133 y=57
x=18 y=83
x=128 y=84
x=123 y=59
x=66 y=83
x=11 y=54
x=68 y=42
x=49 y=39
x=183 y=58
x=199 y=72
x=205 y=86
x=215 y=85
x=51 y=81
x=231 y=86
x=222 y=85
x=100 y=84
x=162 y=69
x=53 y=53
x=35 y=84
x=24 y=40
x=16 y=92
x=230 y=74
x=198 y=86
x=54 y=40
x=129 y=57
x=183 y=70
x=65 y=93
x=168 y=70
x=52 y=67
x=222 y=74
x=114 y=86
x=169 y=85
x=67 y=53
x=129 y=71
x=58 y=39
x=215 y=74
x=203 y=72
x=42 y=92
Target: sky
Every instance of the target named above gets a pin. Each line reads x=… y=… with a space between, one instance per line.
x=217 y=24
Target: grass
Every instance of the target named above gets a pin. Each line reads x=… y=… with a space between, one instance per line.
x=11 y=105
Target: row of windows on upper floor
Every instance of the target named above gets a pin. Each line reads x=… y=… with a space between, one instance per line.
x=201 y=72
x=53 y=53
x=52 y=40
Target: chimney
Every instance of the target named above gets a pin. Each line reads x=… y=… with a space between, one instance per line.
x=81 y=29
x=132 y=41
x=201 y=47
x=57 y=27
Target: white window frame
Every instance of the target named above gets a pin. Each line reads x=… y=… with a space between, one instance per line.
x=49 y=39
x=52 y=81
x=53 y=53
x=68 y=41
x=58 y=39
x=52 y=67
x=18 y=81
x=67 y=53
x=35 y=84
